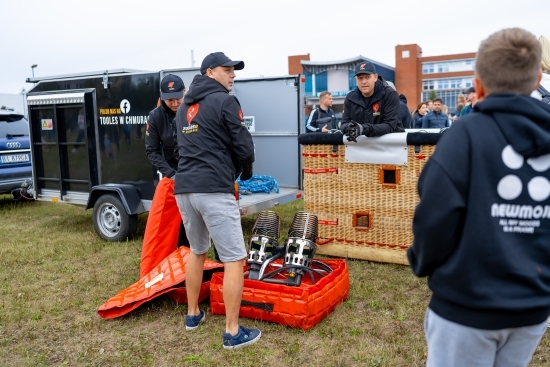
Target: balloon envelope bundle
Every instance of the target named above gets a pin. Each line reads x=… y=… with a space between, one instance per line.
x=285 y=284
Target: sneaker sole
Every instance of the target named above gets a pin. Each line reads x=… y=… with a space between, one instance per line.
x=189 y=328
x=243 y=344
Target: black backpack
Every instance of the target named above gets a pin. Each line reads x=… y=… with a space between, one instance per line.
x=545 y=94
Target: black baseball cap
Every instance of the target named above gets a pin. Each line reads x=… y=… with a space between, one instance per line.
x=365 y=68
x=171 y=86
x=469 y=90
x=216 y=59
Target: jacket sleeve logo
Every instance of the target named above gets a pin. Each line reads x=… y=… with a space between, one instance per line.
x=192 y=112
x=241 y=116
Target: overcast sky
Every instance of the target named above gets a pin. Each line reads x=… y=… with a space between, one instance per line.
x=64 y=37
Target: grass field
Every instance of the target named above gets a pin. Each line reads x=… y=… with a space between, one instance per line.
x=55 y=272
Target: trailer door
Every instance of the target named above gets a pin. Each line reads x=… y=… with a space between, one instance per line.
x=62 y=138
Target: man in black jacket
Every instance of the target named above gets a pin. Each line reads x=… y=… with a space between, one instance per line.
x=482 y=227
x=215 y=147
x=159 y=135
x=322 y=119
x=372 y=109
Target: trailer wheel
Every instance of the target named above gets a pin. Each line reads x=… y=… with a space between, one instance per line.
x=111 y=222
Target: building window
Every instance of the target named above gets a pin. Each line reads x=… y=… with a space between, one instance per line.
x=308 y=91
x=447 y=83
x=352 y=81
x=427 y=68
x=405 y=54
x=361 y=221
x=321 y=83
x=448 y=66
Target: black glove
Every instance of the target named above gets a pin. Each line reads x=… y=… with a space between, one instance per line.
x=353 y=130
x=246 y=174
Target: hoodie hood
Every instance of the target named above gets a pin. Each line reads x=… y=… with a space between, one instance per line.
x=402 y=98
x=200 y=87
x=523 y=120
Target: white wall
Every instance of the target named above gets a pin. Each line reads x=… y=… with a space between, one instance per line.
x=337 y=80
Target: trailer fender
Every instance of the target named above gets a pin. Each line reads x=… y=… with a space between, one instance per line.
x=128 y=194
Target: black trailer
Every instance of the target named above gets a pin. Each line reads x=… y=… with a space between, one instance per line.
x=87 y=144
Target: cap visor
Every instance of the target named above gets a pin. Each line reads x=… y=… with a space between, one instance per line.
x=364 y=72
x=176 y=95
x=239 y=65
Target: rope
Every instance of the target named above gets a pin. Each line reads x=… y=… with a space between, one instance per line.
x=258 y=184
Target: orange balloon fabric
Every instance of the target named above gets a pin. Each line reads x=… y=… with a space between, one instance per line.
x=162 y=229
x=167 y=277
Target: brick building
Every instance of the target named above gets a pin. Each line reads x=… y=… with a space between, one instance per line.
x=414 y=75
x=447 y=75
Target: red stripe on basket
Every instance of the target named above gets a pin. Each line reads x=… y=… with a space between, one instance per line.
x=327 y=222
x=324 y=241
x=420 y=156
x=320 y=170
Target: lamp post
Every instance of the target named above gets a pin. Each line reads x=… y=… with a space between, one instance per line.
x=32 y=68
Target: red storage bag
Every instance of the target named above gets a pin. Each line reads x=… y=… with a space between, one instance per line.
x=300 y=307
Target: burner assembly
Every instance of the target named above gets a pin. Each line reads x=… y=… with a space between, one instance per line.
x=263 y=243
x=297 y=254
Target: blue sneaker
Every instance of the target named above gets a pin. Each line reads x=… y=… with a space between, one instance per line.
x=192 y=322
x=244 y=337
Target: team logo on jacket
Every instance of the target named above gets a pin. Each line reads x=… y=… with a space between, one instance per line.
x=522 y=218
x=241 y=116
x=375 y=107
x=192 y=112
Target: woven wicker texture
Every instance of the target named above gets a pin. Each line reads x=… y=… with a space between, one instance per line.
x=357 y=207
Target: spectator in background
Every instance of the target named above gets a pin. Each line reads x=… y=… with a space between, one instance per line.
x=445 y=110
x=471 y=98
x=545 y=64
x=436 y=119
x=322 y=119
x=429 y=105
x=460 y=100
x=544 y=82
x=405 y=114
x=418 y=114
x=459 y=108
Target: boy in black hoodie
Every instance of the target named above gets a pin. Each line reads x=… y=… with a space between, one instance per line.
x=486 y=247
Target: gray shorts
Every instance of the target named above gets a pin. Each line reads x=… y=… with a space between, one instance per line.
x=454 y=345
x=216 y=216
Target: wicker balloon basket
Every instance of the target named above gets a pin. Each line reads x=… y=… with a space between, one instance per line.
x=365 y=211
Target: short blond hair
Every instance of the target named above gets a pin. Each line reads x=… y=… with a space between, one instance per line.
x=509 y=61
x=323 y=94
